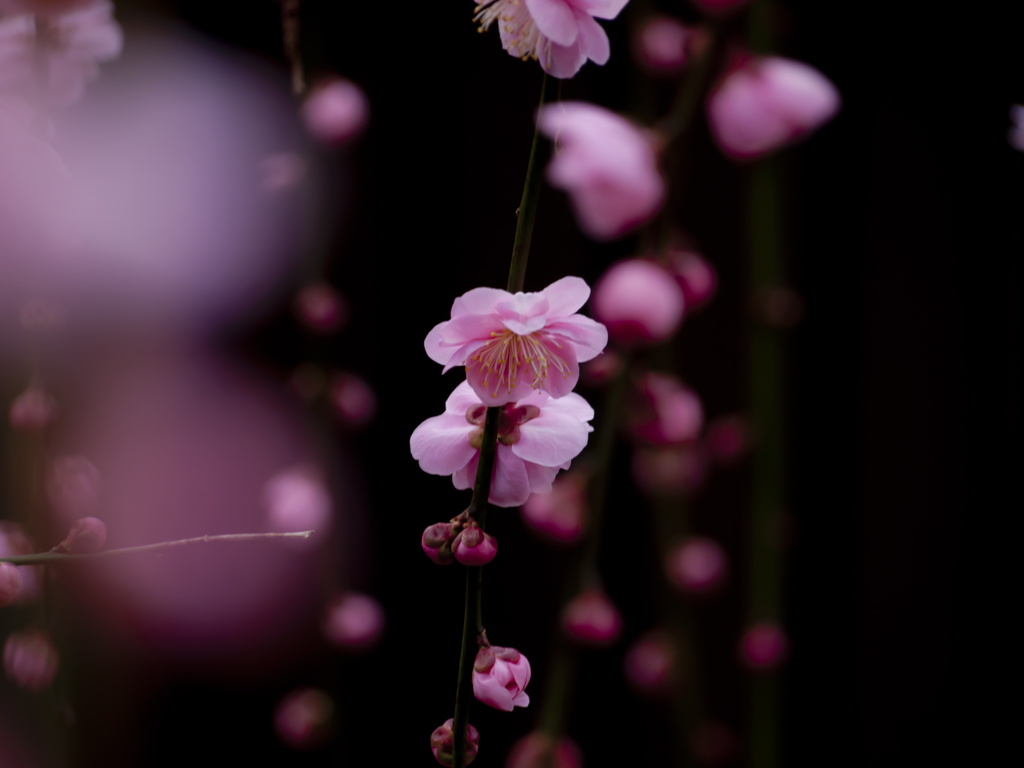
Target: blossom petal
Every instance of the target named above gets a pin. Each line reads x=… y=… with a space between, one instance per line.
x=572 y=405
x=522 y=672
x=521 y=699
x=436 y=350
x=559 y=384
x=483 y=383
x=589 y=337
x=541 y=478
x=465 y=478
x=551 y=438
x=563 y=61
x=479 y=301
x=555 y=19
x=601 y=9
x=593 y=39
x=461 y=400
x=566 y=296
x=510 y=484
x=489 y=691
x=462 y=354
x=441 y=444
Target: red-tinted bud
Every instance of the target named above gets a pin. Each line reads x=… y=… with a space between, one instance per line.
x=31 y=660
x=639 y=302
x=695 y=276
x=696 y=566
x=436 y=542
x=10 y=584
x=86 y=535
x=764 y=647
x=592 y=619
x=442 y=743
x=304 y=718
x=538 y=750
x=474 y=547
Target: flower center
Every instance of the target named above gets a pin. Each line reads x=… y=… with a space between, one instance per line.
x=511 y=418
x=507 y=356
x=521 y=36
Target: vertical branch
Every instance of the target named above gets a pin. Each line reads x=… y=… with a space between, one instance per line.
x=290 y=27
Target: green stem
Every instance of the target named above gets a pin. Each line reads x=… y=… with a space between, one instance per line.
x=472 y=623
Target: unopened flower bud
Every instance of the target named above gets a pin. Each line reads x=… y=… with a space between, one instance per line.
x=695 y=276
x=437 y=543
x=696 y=566
x=30 y=660
x=664 y=411
x=442 y=743
x=86 y=535
x=639 y=302
x=649 y=664
x=354 y=622
x=500 y=677
x=32 y=410
x=335 y=111
x=473 y=546
x=539 y=750
x=321 y=308
x=354 y=400
x=592 y=619
x=303 y=719
x=764 y=647
x=558 y=516
x=73 y=487
x=10 y=584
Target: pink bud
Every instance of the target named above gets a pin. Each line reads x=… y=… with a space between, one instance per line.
x=500 y=677
x=661 y=44
x=712 y=743
x=335 y=111
x=664 y=411
x=764 y=647
x=696 y=566
x=649 y=664
x=296 y=500
x=715 y=7
x=304 y=718
x=437 y=543
x=442 y=743
x=32 y=410
x=695 y=276
x=538 y=750
x=670 y=471
x=602 y=369
x=764 y=103
x=31 y=660
x=354 y=400
x=592 y=619
x=727 y=438
x=639 y=302
x=321 y=308
x=86 y=535
x=558 y=516
x=73 y=487
x=473 y=546
x=10 y=584
x=354 y=622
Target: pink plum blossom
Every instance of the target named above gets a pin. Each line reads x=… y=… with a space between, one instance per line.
x=442 y=743
x=86 y=536
x=537 y=436
x=10 y=584
x=500 y=677
x=661 y=44
x=639 y=302
x=321 y=308
x=764 y=103
x=663 y=411
x=592 y=619
x=33 y=410
x=73 y=487
x=335 y=111
x=560 y=34
x=696 y=566
x=473 y=546
x=31 y=660
x=436 y=542
x=303 y=718
x=512 y=345
x=649 y=663
x=606 y=164
x=764 y=646
x=559 y=515
x=695 y=276
x=354 y=622
x=539 y=750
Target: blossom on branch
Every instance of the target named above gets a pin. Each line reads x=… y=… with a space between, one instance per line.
x=560 y=34
x=514 y=344
x=500 y=677
x=537 y=436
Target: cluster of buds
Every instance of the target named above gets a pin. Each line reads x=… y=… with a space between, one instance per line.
x=442 y=743
x=459 y=539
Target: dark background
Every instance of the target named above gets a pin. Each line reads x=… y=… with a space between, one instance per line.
x=903 y=235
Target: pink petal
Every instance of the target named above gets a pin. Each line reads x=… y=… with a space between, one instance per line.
x=465 y=327
x=572 y=405
x=523 y=328
x=601 y=9
x=524 y=305
x=479 y=301
x=465 y=478
x=441 y=444
x=510 y=485
x=490 y=692
x=563 y=61
x=593 y=39
x=551 y=438
x=521 y=672
x=490 y=394
x=432 y=344
x=566 y=296
x=560 y=384
x=462 y=354
x=588 y=337
x=461 y=400
x=521 y=699
x=555 y=19
x=541 y=478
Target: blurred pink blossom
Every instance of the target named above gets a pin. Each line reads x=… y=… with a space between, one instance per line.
x=649 y=663
x=520 y=343
x=436 y=542
x=560 y=34
x=606 y=164
x=335 y=111
x=670 y=470
x=764 y=103
x=536 y=437
x=697 y=565
x=10 y=584
x=602 y=369
x=303 y=719
x=500 y=677
x=695 y=276
x=639 y=302
x=321 y=308
x=592 y=619
x=33 y=409
x=559 y=515
x=354 y=622
x=442 y=743
x=764 y=646
x=728 y=438
x=296 y=500
x=661 y=44
x=664 y=411
x=73 y=487
x=539 y=750
x=473 y=546
x=30 y=660
x=353 y=398
x=86 y=536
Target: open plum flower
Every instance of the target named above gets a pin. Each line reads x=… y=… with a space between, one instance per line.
x=606 y=164
x=512 y=345
x=560 y=34
x=537 y=436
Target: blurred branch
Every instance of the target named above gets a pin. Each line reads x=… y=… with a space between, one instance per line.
x=62 y=557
